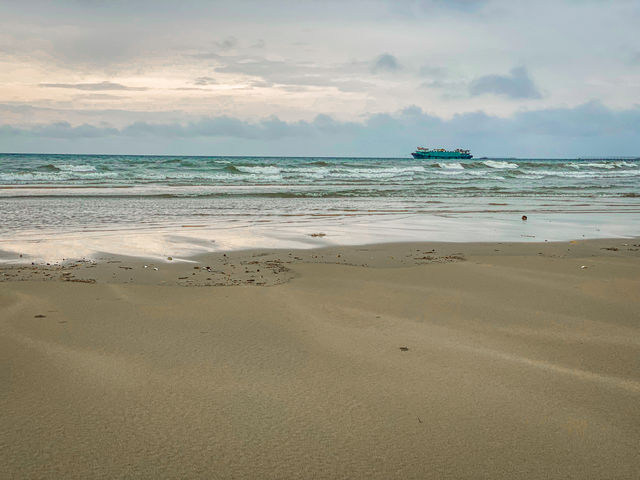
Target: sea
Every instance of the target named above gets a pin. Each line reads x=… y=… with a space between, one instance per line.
x=71 y=206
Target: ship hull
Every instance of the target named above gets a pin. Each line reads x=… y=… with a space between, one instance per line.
x=443 y=155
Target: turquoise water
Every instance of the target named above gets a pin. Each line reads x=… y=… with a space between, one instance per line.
x=319 y=177
x=270 y=199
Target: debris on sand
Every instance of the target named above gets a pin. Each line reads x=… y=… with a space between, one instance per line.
x=404 y=349
x=524 y=218
x=39 y=316
x=319 y=234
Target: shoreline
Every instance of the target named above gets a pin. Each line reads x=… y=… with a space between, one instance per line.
x=192 y=238
x=56 y=207
x=263 y=266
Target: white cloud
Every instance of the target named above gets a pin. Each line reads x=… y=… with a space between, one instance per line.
x=92 y=86
x=296 y=60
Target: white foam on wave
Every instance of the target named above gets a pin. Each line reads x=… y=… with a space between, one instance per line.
x=385 y=170
x=451 y=166
x=23 y=176
x=626 y=164
x=38 y=177
x=532 y=176
x=75 y=168
x=608 y=173
x=418 y=168
x=310 y=172
x=561 y=173
x=606 y=165
x=375 y=173
x=499 y=164
x=267 y=170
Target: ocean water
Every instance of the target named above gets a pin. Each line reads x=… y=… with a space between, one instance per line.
x=82 y=204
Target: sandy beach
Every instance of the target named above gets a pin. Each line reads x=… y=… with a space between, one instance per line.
x=411 y=360
x=281 y=240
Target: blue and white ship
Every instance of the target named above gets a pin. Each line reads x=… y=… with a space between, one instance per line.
x=457 y=154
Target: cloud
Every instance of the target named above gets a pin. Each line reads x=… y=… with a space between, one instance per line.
x=444 y=85
x=62 y=130
x=205 y=81
x=267 y=72
x=190 y=89
x=516 y=85
x=385 y=63
x=228 y=43
x=92 y=86
x=223 y=126
x=588 y=129
x=219 y=50
x=98 y=96
x=318 y=46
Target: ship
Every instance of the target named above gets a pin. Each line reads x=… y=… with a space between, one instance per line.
x=457 y=154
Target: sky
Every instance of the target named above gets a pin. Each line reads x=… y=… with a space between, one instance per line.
x=321 y=77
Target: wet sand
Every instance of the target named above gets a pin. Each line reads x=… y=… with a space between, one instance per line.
x=387 y=361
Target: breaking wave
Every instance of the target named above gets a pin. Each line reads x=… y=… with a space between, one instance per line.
x=497 y=164
x=450 y=166
x=365 y=177
x=267 y=170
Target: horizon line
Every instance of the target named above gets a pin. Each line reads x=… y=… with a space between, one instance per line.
x=591 y=157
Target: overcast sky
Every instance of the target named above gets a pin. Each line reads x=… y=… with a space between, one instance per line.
x=375 y=77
